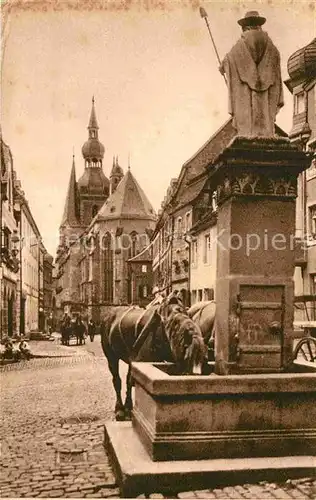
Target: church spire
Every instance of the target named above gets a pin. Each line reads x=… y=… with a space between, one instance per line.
x=93 y=150
x=70 y=209
x=93 y=124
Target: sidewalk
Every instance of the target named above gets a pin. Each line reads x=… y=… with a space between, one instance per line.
x=54 y=349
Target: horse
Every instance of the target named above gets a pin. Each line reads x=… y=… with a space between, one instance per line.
x=160 y=333
x=78 y=330
x=65 y=330
x=203 y=313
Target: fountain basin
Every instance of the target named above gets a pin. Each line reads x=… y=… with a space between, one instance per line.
x=207 y=417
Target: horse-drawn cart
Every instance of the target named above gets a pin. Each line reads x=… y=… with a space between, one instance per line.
x=305 y=327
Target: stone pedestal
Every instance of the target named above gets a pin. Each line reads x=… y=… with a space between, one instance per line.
x=256 y=183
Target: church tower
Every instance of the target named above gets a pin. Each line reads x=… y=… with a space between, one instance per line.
x=70 y=223
x=93 y=185
x=116 y=175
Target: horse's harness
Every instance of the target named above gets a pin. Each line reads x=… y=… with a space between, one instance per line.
x=141 y=337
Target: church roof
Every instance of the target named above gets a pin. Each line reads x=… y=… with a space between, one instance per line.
x=71 y=203
x=94 y=179
x=127 y=202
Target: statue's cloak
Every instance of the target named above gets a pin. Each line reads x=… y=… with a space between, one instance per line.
x=254 y=83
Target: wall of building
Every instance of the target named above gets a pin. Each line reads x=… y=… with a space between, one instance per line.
x=203 y=265
x=30 y=259
x=8 y=264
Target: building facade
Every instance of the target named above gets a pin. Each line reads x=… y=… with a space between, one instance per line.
x=30 y=310
x=302 y=85
x=9 y=264
x=47 y=292
x=21 y=257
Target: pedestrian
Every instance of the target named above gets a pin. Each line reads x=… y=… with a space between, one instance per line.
x=25 y=349
x=91 y=329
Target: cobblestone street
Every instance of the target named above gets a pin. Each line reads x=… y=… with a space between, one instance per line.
x=53 y=412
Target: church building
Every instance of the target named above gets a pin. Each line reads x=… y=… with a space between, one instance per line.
x=105 y=222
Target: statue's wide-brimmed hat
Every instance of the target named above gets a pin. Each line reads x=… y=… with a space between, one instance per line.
x=252 y=18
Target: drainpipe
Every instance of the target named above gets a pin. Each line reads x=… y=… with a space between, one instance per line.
x=188 y=240
x=1 y=270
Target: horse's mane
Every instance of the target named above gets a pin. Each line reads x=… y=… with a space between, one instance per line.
x=183 y=334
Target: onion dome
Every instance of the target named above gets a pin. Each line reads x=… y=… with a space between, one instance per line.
x=302 y=64
x=93 y=150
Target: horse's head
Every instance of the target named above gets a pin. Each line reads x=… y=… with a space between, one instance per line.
x=187 y=344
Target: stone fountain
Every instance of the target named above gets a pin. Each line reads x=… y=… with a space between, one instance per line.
x=254 y=416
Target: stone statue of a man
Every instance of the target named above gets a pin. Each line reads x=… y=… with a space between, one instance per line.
x=253 y=72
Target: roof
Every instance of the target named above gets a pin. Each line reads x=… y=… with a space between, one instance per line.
x=192 y=190
x=127 y=202
x=302 y=64
x=94 y=179
x=71 y=203
x=207 y=221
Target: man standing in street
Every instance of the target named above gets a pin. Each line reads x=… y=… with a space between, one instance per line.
x=91 y=329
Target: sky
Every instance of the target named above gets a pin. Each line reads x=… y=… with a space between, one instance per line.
x=152 y=69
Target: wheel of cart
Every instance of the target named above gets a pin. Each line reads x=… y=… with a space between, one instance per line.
x=306 y=346
x=306 y=349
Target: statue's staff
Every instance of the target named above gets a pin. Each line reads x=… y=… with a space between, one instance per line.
x=203 y=14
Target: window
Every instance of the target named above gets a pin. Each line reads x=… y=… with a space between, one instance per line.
x=142 y=291
x=6 y=238
x=194 y=252
x=144 y=268
x=200 y=295
x=214 y=201
x=312 y=217
x=208 y=294
x=299 y=103
x=108 y=268
x=207 y=249
x=187 y=221
x=193 y=297
x=179 y=227
x=94 y=210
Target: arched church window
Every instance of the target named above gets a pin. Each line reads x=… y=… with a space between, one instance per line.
x=133 y=244
x=107 y=268
x=95 y=210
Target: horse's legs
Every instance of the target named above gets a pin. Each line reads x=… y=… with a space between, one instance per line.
x=114 y=369
x=128 y=401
